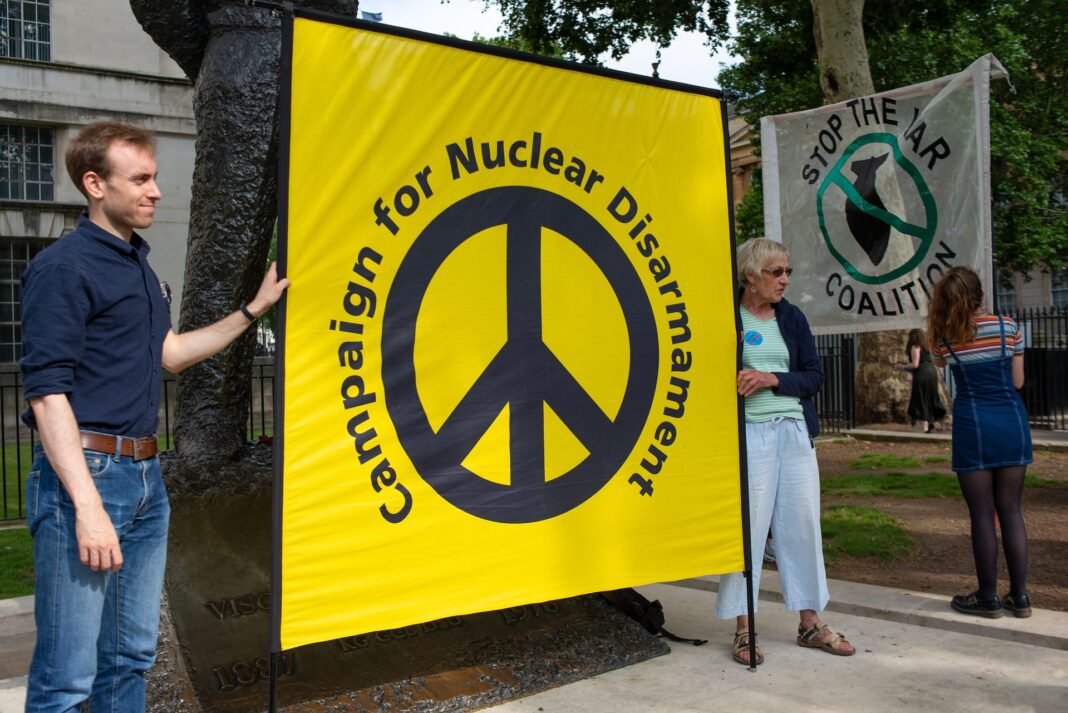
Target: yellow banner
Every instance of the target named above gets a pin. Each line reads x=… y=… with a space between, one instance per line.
x=510 y=338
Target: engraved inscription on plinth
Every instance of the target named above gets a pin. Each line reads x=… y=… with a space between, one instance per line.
x=217 y=588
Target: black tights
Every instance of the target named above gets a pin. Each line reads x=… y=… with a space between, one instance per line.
x=985 y=491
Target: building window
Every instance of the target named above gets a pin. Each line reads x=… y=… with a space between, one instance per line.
x=27 y=162
x=25 y=29
x=14 y=256
x=1006 y=298
x=1059 y=289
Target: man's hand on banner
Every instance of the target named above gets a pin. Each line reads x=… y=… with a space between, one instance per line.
x=750 y=381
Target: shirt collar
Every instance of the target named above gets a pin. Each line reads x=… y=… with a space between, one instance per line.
x=137 y=244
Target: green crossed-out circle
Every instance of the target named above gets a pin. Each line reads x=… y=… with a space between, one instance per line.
x=924 y=233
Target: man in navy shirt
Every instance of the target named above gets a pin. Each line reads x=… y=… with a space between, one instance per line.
x=96 y=334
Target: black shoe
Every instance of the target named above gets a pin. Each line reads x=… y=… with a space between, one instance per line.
x=972 y=604
x=1019 y=606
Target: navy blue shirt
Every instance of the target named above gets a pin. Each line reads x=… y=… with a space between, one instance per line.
x=94 y=318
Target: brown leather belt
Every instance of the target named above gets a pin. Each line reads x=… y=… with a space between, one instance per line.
x=136 y=448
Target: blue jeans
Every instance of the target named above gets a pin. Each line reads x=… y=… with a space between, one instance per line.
x=96 y=631
x=784 y=494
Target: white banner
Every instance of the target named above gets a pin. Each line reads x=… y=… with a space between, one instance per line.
x=877 y=196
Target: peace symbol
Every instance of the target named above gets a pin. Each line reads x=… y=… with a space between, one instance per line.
x=924 y=233
x=525 y=374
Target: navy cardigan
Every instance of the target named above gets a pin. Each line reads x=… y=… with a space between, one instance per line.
x=806 y=370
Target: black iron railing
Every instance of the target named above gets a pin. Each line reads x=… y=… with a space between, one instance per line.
x=834 y=403
x=1045 y=393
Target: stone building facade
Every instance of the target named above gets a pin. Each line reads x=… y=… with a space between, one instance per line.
x=64 y=64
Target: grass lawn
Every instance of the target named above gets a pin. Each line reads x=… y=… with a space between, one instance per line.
x=16 y=463
x=16 y=563
x=862 y=531
x=903 y=484
x=874 y=461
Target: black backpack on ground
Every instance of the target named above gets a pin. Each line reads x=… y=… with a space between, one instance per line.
x=650 y=614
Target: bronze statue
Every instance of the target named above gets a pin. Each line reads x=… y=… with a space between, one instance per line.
x=231 y=52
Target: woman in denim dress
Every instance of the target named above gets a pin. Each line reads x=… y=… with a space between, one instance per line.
x=991 y=435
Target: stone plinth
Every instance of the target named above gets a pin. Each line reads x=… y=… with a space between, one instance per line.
x=214 y=638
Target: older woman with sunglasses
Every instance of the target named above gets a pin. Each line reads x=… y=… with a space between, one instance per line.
x=781 y=373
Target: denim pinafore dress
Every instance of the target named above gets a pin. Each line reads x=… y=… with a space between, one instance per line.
x=990 y=428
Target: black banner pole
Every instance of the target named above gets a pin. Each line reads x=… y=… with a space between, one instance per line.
x=752 y=619
x=284 y=102
x=743 y=474
x=272 y=686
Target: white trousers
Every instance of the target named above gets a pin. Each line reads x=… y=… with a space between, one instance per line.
x=784 y=493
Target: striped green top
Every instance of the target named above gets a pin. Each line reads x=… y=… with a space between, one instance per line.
x=763 y=349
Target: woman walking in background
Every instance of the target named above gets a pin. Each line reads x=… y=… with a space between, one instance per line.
x=991 y=435
x=925 y=404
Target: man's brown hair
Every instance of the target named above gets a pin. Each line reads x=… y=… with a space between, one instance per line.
x=88 y=150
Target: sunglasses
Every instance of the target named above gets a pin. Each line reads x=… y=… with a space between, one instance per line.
x=777 y=272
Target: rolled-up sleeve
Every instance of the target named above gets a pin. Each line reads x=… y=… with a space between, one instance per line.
x=55 y=310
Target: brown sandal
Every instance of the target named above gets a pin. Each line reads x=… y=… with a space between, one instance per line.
x=815 y=638
x=741 y=646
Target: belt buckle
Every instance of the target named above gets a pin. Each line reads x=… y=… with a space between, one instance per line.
x=137 y=444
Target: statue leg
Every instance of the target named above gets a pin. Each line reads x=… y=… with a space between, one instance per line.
x=234 y=204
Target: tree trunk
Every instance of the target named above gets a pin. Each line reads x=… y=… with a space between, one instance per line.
x=882 y=393
x=840 y=47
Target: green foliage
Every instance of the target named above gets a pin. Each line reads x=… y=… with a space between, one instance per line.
x=860 y=531
x=585 y=29
x=914 y=42
x=872 y=461
x=518 y=43
x=16 y=563
x=936 y=459
x=749 y=215
x=779 y=72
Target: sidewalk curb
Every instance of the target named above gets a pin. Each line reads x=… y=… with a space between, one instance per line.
x=16 y=616
x=1052 y=441
x=1048 y=629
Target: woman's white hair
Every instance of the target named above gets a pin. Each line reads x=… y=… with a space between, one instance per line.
x=755 y=254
